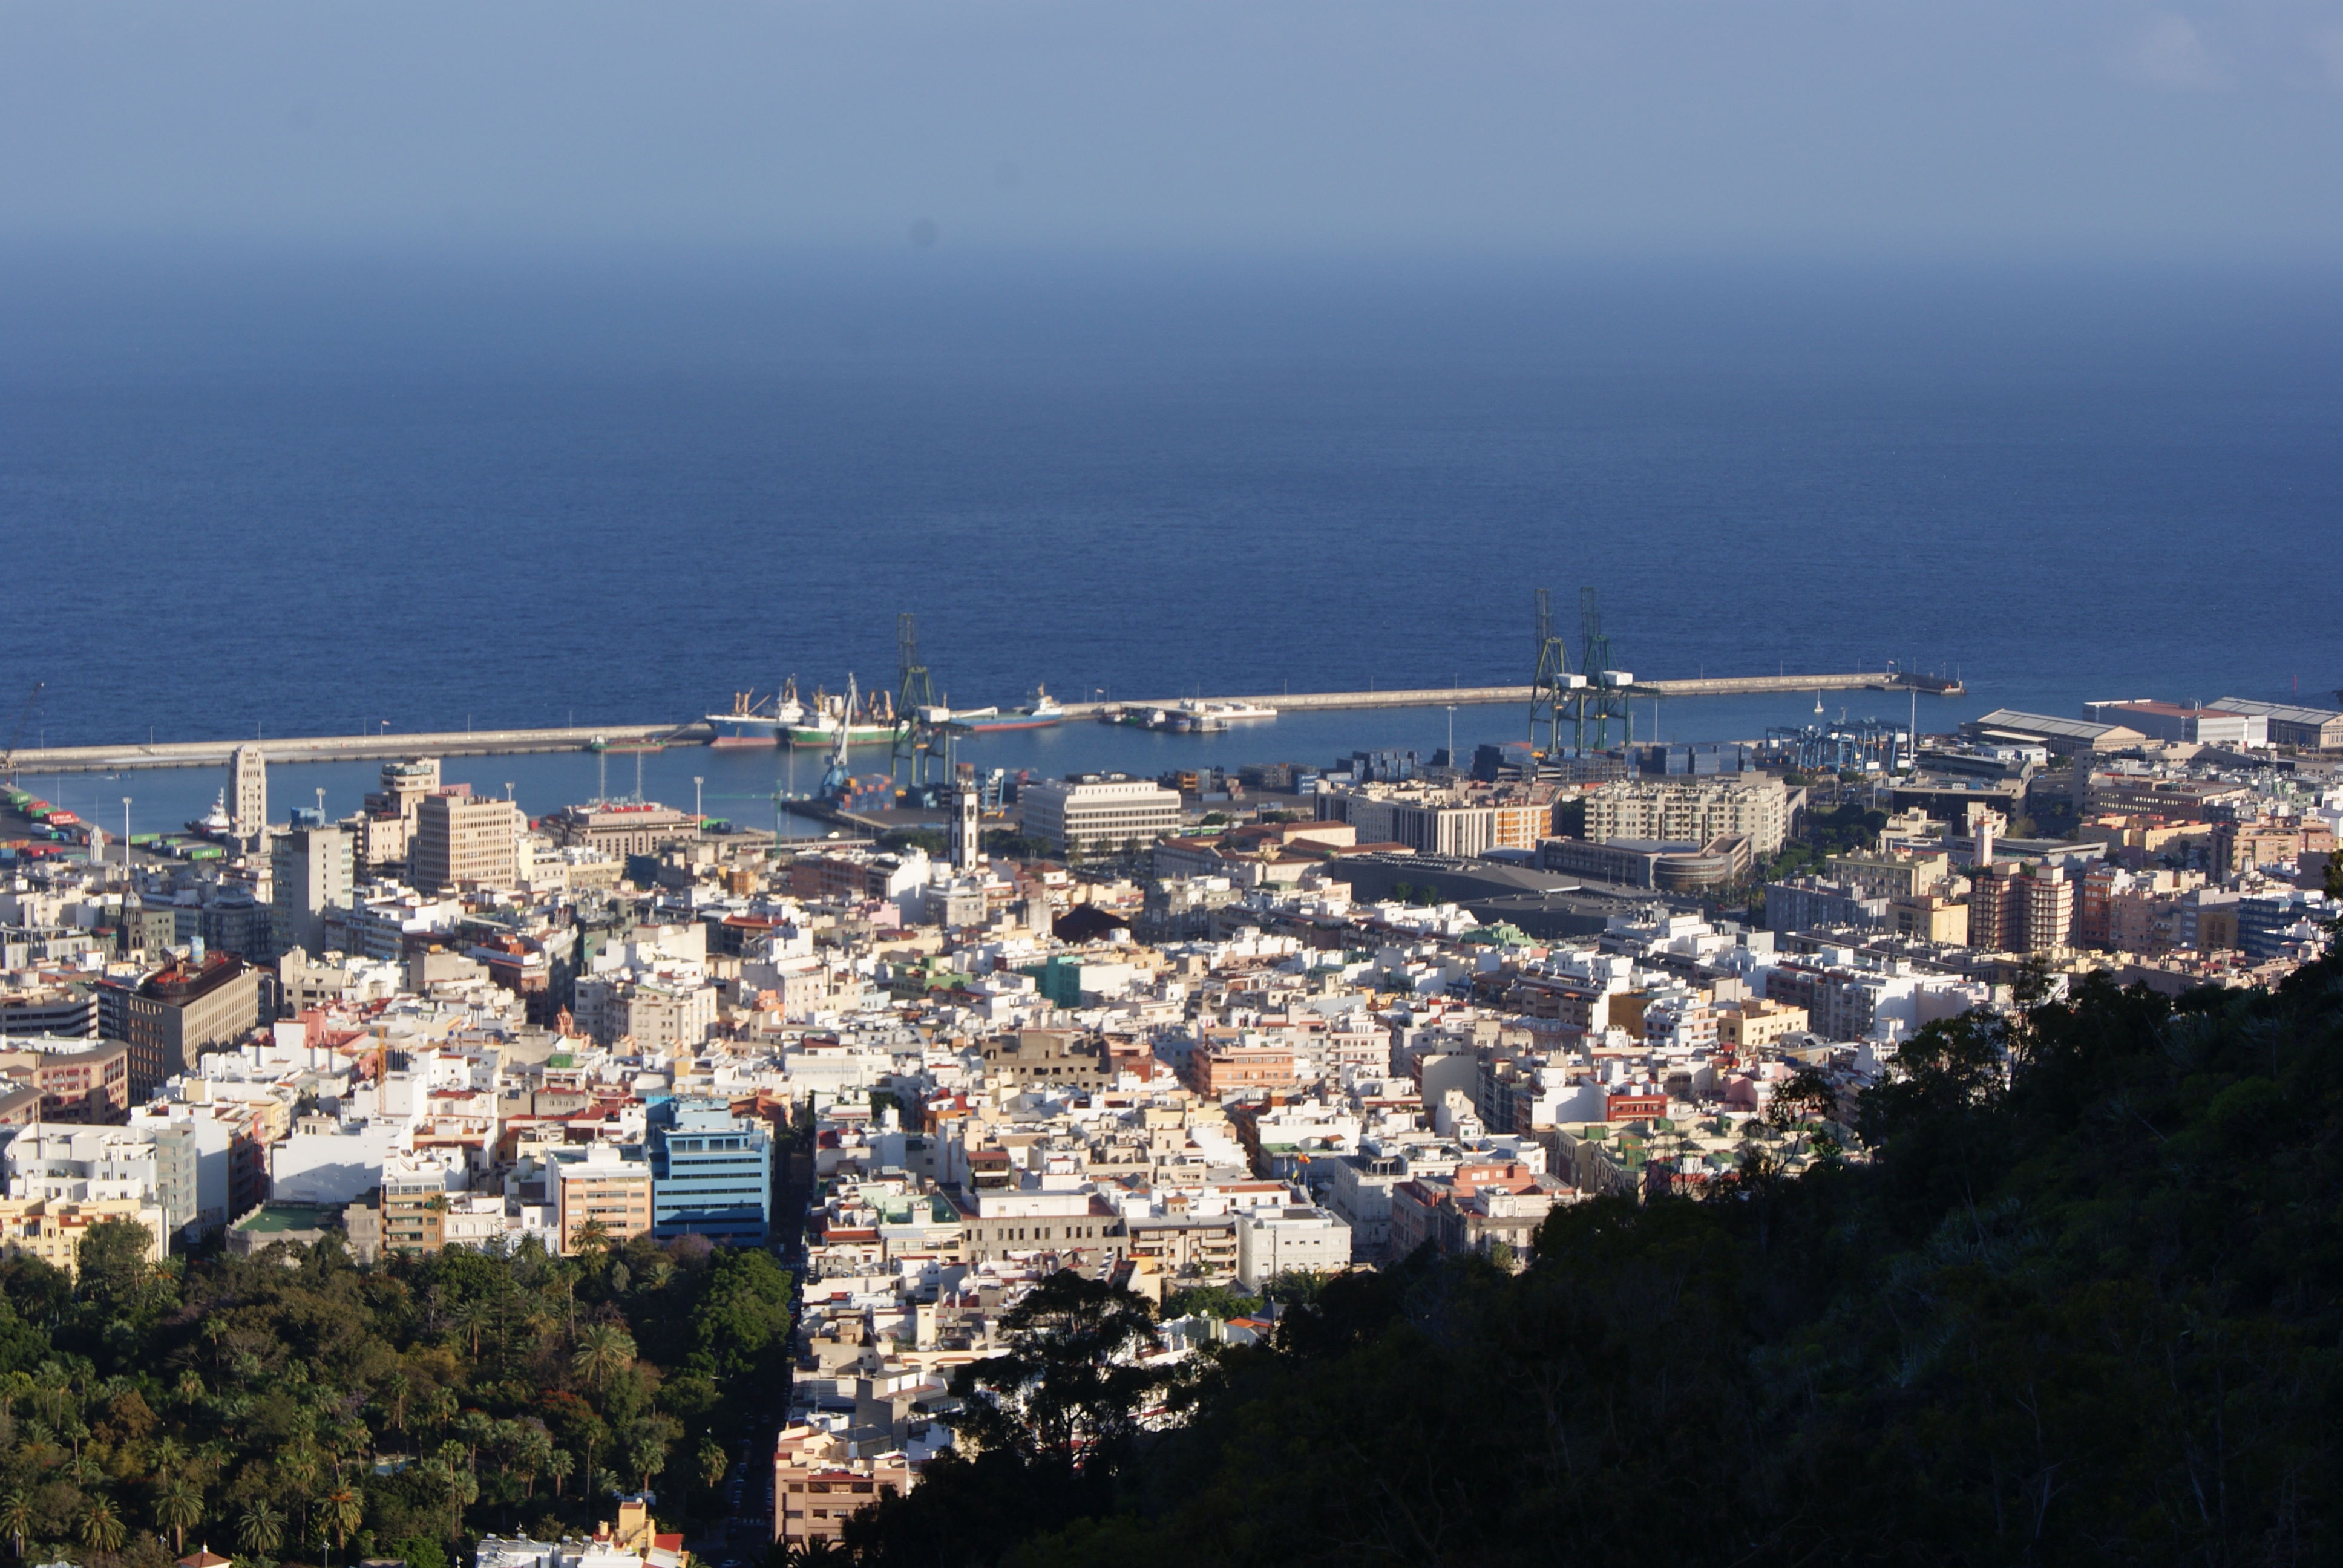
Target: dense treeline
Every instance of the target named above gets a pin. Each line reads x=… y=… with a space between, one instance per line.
x=2084 y=1304
x=294 y=1406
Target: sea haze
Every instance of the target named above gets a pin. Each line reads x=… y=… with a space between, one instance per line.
x=280 y=495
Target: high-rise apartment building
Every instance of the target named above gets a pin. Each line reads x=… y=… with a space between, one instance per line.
x=386 y=828
x=1691 y=811
x=248 y=792
x=2050 y=909
x=310 y=869
x=2021 y=908
x=171 y=1018
x=603 y=1184
x=463 y=840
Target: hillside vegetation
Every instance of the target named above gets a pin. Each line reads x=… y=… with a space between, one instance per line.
x=2081 y=1305
x=308 y=1409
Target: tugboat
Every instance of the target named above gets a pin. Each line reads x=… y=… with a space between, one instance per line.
x=214 y=824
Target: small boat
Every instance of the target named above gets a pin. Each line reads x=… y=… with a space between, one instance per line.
x=1039 y=714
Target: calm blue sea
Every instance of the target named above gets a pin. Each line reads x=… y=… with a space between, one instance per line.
x=300 y=495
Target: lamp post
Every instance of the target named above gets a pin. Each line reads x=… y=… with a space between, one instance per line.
x=697 y=780
x=126 y=838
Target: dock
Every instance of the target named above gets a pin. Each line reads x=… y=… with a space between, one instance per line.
x=351 y=747
x=585 y=737
x=1493 y=695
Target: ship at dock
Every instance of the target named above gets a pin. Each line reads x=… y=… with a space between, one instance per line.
x=870 y=721
x=1189 y=717
x=1039 y=714
x=761 y=721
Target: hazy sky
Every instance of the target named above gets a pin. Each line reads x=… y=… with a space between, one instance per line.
x=2005 y=127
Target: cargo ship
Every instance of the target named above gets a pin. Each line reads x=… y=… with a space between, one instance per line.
x=1043 y=712
x=758 y=721
x=872 y=722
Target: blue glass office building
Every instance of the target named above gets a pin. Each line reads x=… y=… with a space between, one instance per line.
x=712 y=1173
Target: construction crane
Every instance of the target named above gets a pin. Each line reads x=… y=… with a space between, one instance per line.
x=1551 y=690
x=16 y=736
x=1604 y=698
x=917 y=706
x=836 y=778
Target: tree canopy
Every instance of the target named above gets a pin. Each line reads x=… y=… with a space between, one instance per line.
x=293 y=1405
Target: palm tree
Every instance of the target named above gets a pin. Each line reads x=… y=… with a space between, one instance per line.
x=350 y=1437
x=16 y=1385
x=52 y=1388
x=532 y=1455
x=447 y=1473
x=438 y=1406
x=560 y=1465
x=17 y=1517
x=165 y=1455
x=393 y=1393
x=341 y=1511
x=590 y=1239
x=298 y=1463
x=261 y=1530
x=602 y=1350
x=178 y=1508
x=471 y=1317
x=816 y=1552
x=101 y=1526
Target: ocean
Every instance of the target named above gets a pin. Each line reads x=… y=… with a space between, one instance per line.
x=256 y=494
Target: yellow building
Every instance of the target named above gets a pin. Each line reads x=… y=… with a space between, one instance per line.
x=818 y=1485
x=1893 y=874
x=1755 y=1023
x=1930 y=918
x=51 y=1229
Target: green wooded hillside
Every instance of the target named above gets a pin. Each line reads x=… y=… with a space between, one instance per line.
x=314 y=1411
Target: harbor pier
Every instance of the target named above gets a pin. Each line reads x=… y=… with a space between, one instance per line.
x=631 y=737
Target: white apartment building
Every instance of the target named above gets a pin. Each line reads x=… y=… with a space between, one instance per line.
x=1690 y=811
x=1289 y=1237
x=148 y=1164
x=1091 y=814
